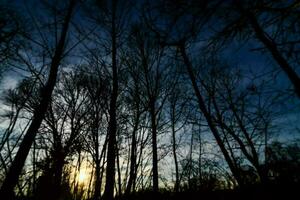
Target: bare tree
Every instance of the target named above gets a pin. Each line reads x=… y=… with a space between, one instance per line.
x=95 y=84
x=178 y=113
x=137 y=110
x=233 y=107
x=264 y=21
x=112 y=20
x=154 y=69
x=19 y=160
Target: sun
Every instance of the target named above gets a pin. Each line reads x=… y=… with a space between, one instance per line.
x=82 y=176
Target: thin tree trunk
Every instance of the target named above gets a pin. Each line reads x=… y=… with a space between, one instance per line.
x=7 y=189
x=200 y=153
x=190 y=162
x=77 y=170
x=133 y=156
x=34 y=171
x=99 y=169
x=90 y=192
x=104 y=150
x=97 y=160
x=154 y=146
x=119 y=174
x=174 y=147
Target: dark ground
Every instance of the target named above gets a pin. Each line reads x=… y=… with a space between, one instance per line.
x=282 y=192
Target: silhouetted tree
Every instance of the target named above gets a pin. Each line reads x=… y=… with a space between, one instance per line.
x=154 y=69
x=178 y=105
x=136 y=108
x=266 y=22
x=19 y=160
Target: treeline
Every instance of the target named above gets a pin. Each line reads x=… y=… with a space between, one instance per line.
x=114 y=98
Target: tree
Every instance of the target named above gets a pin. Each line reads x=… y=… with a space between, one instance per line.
x=266 y=22
x=112 y=124
x=242 y=113
x=136 y=108
x=269 y=43
x=95 y=85
x=39 y=113
x=154 y=69
x=178 y=105
x=66 y=121
x=209 y=118
x=112 y=18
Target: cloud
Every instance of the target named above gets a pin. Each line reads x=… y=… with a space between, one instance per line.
x=8 y=82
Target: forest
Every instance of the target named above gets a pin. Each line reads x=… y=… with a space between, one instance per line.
x=149 y=99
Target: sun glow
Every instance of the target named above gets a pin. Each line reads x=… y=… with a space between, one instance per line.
x=82 y=176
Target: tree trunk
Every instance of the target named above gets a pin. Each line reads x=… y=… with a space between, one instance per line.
x=190 y=161
x=97 y=162
x=11 y=179
x=119 y=174
x=112 y=127
x=132 y=173
x=154 y=146
x=174 y=147
x=58 y=172
x=97 y=181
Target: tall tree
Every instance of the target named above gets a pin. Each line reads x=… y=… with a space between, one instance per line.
x=7 y=189
x=98 y=97
x=137 y=109
x=209 y=118
x=112 y=126
x=177 y=105
x=154 y=70
x=112 y=19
